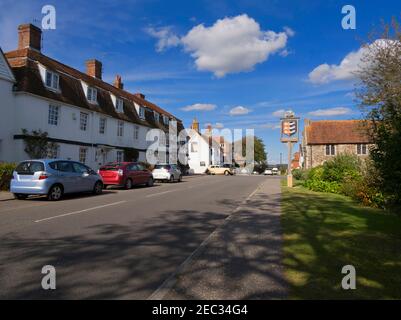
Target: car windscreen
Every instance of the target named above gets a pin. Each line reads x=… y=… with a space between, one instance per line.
x=111 y=167
x=163 y=166
x=29 y=167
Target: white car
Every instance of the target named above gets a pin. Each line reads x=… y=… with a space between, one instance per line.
x=167 y=172
x=268 y=172
x=275 y=171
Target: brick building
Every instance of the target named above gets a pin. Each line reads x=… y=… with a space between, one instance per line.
x=321 y=140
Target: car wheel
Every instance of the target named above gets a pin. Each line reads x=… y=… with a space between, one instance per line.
x=180 y=178
x=128 y=184
x=105 y=186
x=98 y=188
x=226 y=173
x=171 y=179
x=20 y=196
x=150 y=182
x=55 y=193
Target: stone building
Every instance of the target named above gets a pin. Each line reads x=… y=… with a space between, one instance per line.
x=322 y=140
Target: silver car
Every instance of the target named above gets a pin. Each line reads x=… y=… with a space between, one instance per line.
x=167 y=172
x=54 y=178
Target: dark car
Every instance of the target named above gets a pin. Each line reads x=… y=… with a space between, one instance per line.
x=125 y=174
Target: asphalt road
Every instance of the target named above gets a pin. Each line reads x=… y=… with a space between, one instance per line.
x=120 y=245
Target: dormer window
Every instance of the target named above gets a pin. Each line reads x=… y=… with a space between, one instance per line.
x=165 y=119
x=52 y=80
x=142 y=112
x=156 y=116
x=119 y=105
x=91 y=94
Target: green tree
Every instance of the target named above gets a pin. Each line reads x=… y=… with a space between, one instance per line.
x=260 y=154
x=380 y=99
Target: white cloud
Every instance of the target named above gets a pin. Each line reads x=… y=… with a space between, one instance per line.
x=200 y=107
x=351 y=63
x=239 y=111
x=279 y=113
x=232 y=45
x=289 y=31
x=217 y=125
x=166 y=37
x=271 y=126
x=330 y=112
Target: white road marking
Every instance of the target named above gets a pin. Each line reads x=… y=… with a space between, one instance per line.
x=160 y=193
x=170 y=282
x=81 y=211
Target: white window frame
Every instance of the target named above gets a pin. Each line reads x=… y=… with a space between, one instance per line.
x=156 y=116
x=119 y=105
x=83 y=154
x=136 y=132
x=91 y=94
x=104 y=126
x=359 y=149
x=83 y=121
x=332 y=150
x=53 y=153
x=120 y=128
x=141 y=112
x=52 y=80
x=165 y=120
x=53 y=115
x=119 y=156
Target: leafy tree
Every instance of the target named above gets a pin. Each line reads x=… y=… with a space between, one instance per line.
x=37 y=145
x=380 y=99
x=260 y=154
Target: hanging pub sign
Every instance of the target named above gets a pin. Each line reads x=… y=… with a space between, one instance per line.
x=289 y=128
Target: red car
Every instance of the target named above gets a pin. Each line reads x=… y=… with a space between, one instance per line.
x=125 y=174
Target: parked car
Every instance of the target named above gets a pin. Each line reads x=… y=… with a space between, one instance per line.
x=125 y=174
x=167 y=172
x=275 y=171
x=53 y=178
x=217 y=169
x=268 y=172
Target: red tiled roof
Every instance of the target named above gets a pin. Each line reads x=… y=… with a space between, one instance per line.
x=337 y=132
x=24 y=64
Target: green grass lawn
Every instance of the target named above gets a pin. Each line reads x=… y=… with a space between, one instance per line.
x=323 y=232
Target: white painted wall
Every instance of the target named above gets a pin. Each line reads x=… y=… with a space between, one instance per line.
x=203 y=154
x=31 y=113
x=7 y=118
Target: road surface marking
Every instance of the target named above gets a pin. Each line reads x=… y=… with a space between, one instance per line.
x=170 y=282
x=81 y=211
x=160 y=193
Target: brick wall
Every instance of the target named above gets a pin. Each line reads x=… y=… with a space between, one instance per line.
x=315 y=155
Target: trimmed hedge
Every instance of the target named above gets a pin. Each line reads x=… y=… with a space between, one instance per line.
x=6 y=173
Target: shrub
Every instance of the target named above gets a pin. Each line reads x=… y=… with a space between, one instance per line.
x=347 y=175
x=6 y=173
x=323 y=186
x=315 y=173
x=300 y=174
x=341 y=167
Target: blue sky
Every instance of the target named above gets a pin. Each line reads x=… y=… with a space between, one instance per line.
x=236 y=64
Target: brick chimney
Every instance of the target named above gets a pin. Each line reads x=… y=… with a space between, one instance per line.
x=117 y=82
x=29 y=36
x=94 y=68
x=139 y=95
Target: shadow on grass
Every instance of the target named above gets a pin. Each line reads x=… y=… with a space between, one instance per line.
x=324 y=232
